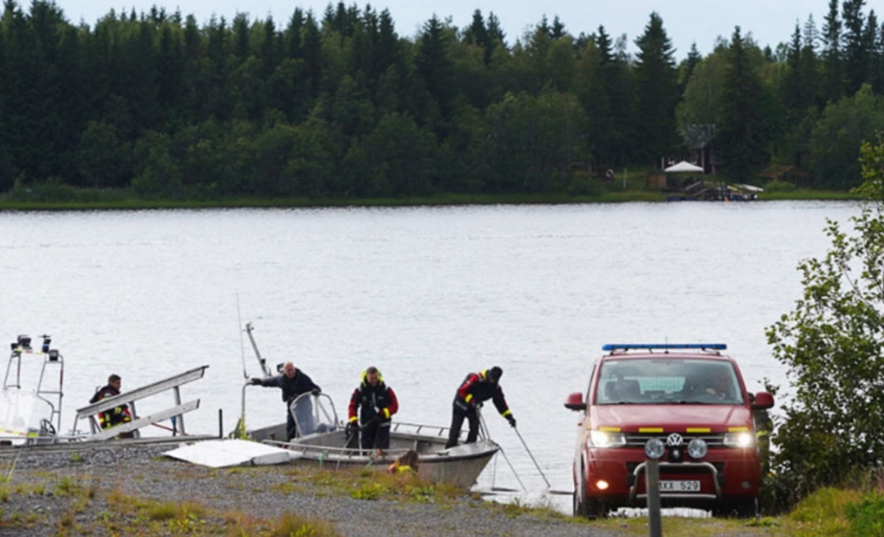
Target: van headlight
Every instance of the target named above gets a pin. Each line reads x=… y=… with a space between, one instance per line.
x=605 y=439
x=743 y=439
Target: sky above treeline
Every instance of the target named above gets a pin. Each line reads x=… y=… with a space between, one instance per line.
x=770 y=22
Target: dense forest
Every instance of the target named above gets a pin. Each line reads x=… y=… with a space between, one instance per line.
x=339 y=105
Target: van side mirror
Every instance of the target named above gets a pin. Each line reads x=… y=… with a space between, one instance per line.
x=575 y=402
x=763 y=401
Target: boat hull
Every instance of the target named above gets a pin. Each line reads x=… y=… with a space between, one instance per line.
x=459 y=466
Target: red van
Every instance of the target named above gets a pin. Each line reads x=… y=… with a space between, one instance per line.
x=693 y=399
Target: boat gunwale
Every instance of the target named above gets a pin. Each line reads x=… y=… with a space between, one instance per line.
x=314 y=452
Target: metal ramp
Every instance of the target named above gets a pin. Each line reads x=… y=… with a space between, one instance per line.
x=129 y=398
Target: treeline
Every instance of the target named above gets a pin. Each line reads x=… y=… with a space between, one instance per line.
x=340 y=105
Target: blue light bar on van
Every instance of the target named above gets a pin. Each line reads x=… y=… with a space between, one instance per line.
x=650 y=346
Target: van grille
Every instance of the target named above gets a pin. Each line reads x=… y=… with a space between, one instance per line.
x=713 y=440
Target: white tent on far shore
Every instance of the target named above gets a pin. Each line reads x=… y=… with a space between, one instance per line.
x=684 y=167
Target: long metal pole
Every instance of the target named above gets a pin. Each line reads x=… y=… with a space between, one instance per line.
x=532 y=458
x=652 y=483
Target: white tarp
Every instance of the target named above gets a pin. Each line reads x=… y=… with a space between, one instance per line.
x=223 y=453
x=684 y=167
x=20 y=413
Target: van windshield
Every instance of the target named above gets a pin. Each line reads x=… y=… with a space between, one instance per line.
x=663 y=380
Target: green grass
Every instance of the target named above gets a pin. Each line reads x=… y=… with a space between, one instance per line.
x=580 y=191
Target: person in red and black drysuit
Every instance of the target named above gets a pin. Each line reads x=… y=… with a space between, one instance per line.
x=117 y=415
x=475 y=389
x=375 y=403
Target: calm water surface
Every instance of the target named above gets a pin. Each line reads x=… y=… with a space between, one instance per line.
x=425 y=294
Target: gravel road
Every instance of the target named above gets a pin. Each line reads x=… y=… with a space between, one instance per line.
x=114 y=472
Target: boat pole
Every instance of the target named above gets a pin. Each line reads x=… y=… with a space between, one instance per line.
x=532 y=457
x=242 y=343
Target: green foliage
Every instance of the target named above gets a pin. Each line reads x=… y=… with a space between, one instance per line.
x=293 y=525
x=239 y=431
x=836 y=138
x=369 y=491
x=657 y=91
x=701 y=102
x=866 y=517
x=832 y=344
x=821 y=512
x=158 y=106
x=745 y=114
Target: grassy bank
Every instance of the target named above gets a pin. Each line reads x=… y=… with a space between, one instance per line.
x=85 y=200
x=86 y=500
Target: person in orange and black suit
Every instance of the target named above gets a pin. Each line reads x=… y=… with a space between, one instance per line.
x=116 y=415
x=375 y=403
x=475 y=389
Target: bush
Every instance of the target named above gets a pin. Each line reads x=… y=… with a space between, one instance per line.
x=832 y=345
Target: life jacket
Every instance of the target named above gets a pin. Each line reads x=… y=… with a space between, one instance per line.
x=370 y=400
x=114 y=416
x=477 y=388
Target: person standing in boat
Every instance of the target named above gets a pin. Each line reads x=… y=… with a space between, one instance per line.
x=293 y=383
x=372 y=405
x=476 y=389
x=114 y=416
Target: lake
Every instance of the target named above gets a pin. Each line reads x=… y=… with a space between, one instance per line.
x=425 y=294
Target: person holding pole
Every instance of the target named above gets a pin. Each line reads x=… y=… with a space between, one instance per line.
x=375 y=403
x=474 y=390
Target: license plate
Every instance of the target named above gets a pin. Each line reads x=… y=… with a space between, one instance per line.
x=680 y=486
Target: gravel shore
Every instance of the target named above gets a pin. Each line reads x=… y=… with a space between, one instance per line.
x=97 y=492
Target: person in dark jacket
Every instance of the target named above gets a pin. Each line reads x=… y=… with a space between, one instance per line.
x=375 y=403
x=293 y=383
x=116 y=415
x=476 y=389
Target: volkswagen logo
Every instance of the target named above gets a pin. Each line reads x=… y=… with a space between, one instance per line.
x=674 y=439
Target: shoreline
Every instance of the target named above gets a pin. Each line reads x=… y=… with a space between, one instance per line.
x=117 y=202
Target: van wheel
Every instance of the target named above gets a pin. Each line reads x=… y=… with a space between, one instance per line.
x=597 y=509
x=579 y=505
x=585 y=507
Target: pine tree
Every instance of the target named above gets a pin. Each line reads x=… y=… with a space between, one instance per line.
x=740 y=138
x=656 y=85
x=833 y=69
x=856 y=47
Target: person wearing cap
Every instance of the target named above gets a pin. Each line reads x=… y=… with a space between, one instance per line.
x=476 y=389
x=293 y=383
x=375 y=403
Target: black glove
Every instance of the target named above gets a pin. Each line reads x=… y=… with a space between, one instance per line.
x=352 y=429
x=512 y=420
x=315 y=391
x=254 y=381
